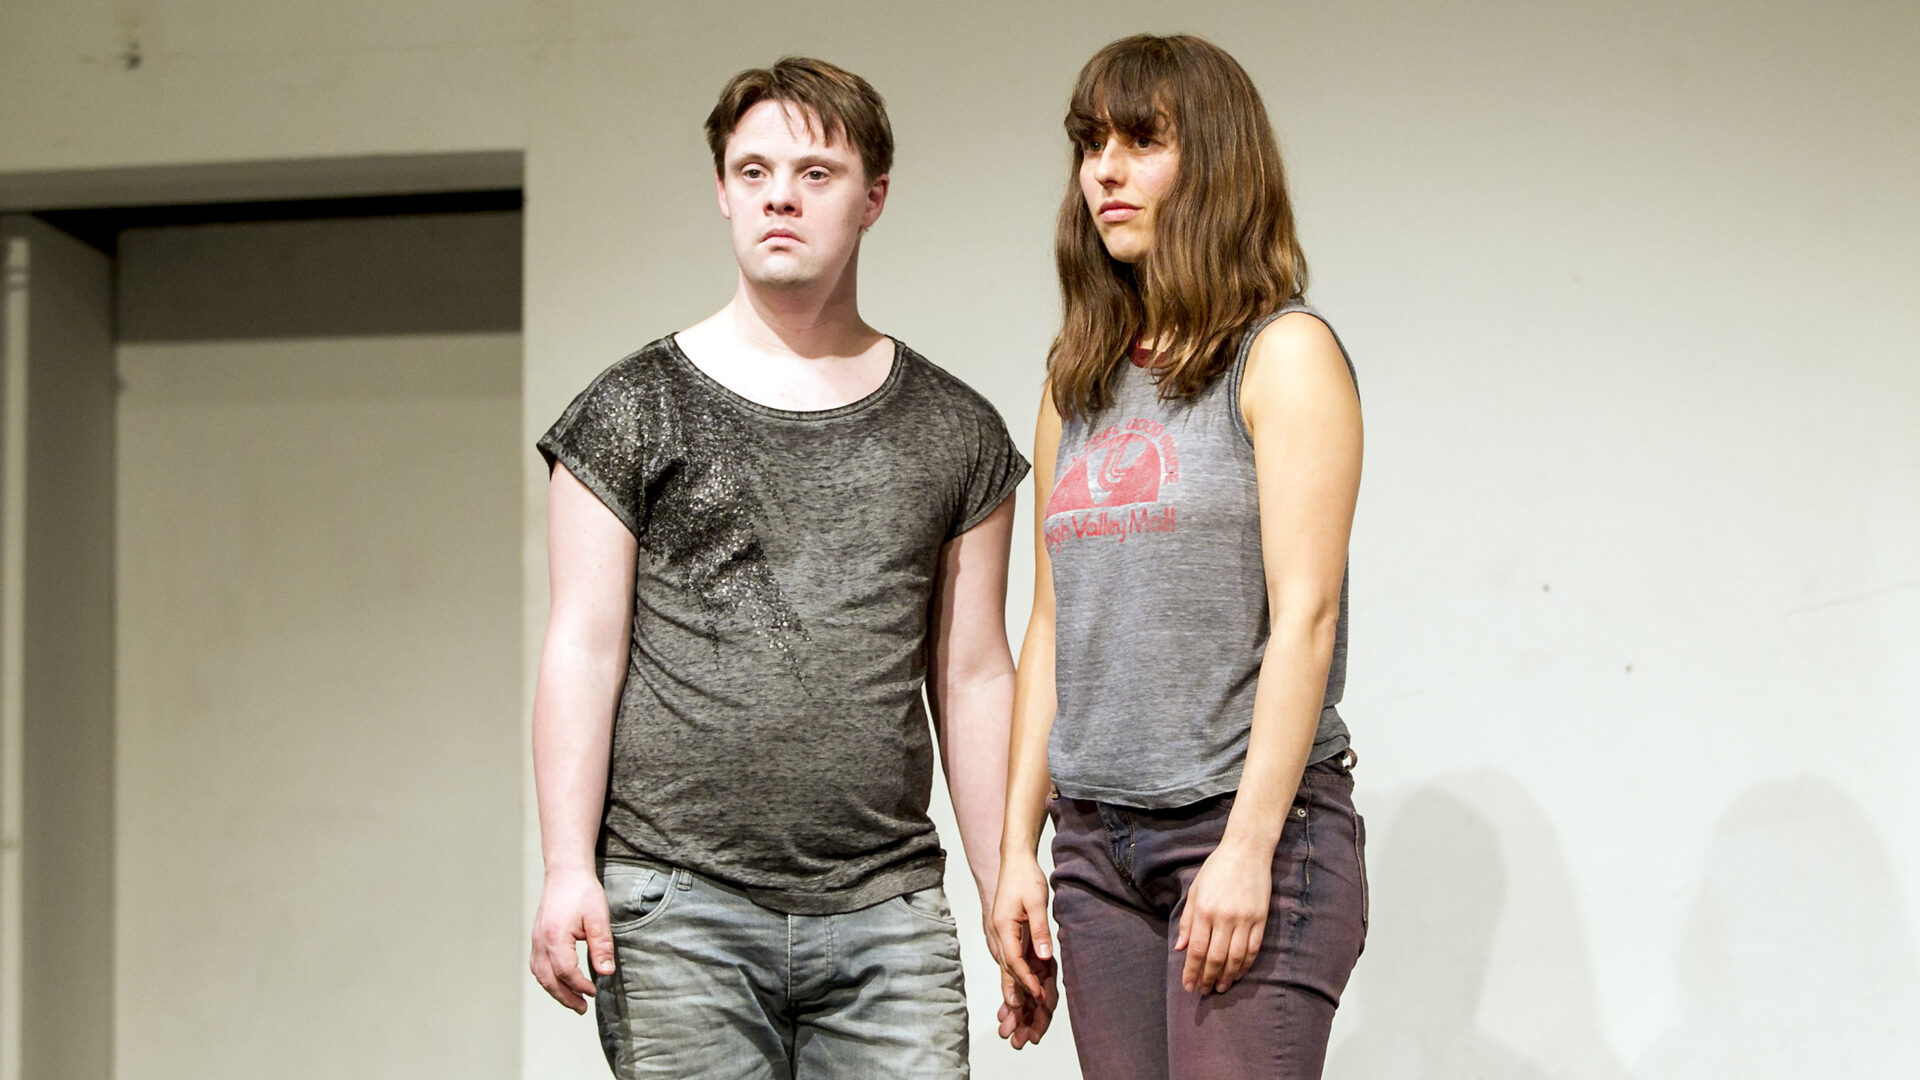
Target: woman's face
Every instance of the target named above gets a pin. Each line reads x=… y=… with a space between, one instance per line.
x=1124 y=178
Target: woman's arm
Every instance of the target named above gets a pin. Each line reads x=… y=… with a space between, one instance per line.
x=1020 y=899
x=1302 y=409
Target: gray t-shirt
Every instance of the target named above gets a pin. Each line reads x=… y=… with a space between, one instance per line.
x=1160 y=593
x=771 y=734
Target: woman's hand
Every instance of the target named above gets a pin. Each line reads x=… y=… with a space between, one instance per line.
x=1225 y=916
x=1029 y=990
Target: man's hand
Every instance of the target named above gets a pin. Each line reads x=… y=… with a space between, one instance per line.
x=1225 y=917
x=1023 y=1019
x=573 y=907
x=1029 y=990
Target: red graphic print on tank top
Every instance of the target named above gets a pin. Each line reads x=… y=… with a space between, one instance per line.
x=1115 y=487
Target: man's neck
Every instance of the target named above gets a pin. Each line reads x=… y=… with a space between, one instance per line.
x=802 y=350
x=808 y=323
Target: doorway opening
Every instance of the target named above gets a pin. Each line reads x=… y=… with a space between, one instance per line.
x=260 y=545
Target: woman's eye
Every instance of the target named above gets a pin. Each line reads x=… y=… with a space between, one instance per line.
x=1143 y=142
x=1093 y=146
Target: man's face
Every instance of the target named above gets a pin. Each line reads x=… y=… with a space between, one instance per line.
x=796 y=203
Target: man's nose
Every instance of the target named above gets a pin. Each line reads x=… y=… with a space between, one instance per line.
x=783 y=195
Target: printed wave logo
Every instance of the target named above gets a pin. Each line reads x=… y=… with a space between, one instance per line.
x=1112 y=487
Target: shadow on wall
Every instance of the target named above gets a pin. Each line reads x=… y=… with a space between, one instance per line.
x=1456 y=938
x=1796 y=960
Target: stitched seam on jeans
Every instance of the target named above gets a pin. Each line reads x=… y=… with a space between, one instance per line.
x=789 y=959
x=1119 y=844
x=1360 y=860
x=1306 y=826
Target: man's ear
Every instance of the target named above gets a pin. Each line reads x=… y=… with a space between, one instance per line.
x=876 y=200
x=720 y=193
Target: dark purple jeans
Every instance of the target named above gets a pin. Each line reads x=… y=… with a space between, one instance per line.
x=1120 y=878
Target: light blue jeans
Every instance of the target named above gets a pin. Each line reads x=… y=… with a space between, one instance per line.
x=709 y=985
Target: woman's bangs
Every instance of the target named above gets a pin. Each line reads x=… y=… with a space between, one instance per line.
x=1124 y=97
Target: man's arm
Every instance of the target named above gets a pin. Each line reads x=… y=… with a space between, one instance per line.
x=1029 y=990
x=590 y=563
x=970 y=685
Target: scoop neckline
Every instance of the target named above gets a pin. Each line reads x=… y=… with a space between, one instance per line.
x=873 y=397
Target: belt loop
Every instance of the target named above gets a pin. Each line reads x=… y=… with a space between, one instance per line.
x=682 y=879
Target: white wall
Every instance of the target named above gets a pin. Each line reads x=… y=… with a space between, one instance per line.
x=1631 y=291
x=118 y=83
x=317 y=746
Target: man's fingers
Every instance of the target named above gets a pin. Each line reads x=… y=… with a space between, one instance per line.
x=1022 y=1020
x=1038 y=1020
x=542 y=966
x=1186 y=928
x=599 y=940
x=566 y=966
x=538 y=965
x=1030 y=1024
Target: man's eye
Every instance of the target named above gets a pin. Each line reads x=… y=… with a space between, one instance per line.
x=816 y=174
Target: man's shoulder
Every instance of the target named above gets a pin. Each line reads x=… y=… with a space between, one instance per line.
x=948 y=392
x=647 y=357
x=631 y=373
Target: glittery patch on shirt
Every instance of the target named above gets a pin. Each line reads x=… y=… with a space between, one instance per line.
x=705 y=519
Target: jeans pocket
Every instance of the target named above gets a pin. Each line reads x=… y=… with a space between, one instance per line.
x=931 y=904
x=636 y=895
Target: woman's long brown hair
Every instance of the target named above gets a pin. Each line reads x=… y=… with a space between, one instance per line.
x=1224 y=250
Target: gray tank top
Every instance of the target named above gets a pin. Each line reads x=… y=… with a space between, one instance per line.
x=1160 y=596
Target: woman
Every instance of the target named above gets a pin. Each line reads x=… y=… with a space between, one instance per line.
x=1198 y=459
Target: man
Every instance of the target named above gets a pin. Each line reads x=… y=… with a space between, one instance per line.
x=766 y=533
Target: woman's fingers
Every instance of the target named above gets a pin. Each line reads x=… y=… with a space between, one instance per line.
x=1038 y=930
x=1198 y=935
x=1218 y=946
x=1237 y=959
x=1220 y=949
x=1025 y=940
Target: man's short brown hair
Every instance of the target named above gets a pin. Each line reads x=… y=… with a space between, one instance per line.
x=847 y=107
